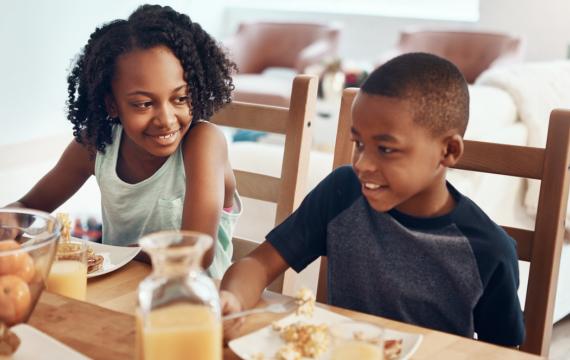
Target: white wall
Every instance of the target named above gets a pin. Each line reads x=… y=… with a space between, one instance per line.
x=39 y=39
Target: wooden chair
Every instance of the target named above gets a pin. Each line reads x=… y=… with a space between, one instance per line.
x=540 y=247
x=289 y=189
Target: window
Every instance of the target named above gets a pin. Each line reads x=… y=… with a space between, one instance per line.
x=454 y=10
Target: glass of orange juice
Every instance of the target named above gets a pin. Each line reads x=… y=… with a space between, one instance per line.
x=179 y=314
x=68 y=274
x=357 y=340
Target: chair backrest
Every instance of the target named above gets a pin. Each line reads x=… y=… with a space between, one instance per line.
x=286 y=191
x=259 y=45
x=540 y=247
x=471 y=51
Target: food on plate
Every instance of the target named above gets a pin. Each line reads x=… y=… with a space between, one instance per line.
x=305 y=300
x=94 y=261
x=9 y=342
x=15 y=299
x=308 y=340
x=20 y=264
x=392 y=349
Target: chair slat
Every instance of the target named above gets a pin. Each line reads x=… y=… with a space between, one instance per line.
x=257 y=186
x=502 y=159
x=253 y=117
x=242 y=247
x=524 y=240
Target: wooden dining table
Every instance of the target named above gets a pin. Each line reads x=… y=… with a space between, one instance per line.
x=103 y=327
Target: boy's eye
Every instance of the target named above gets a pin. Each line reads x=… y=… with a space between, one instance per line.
x=358 y=144
x=385 y=150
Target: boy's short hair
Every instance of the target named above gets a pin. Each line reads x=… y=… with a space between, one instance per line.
x=434 y=87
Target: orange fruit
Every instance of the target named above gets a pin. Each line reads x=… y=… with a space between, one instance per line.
x=27 y=268
x=15 y=299
x=19 y=264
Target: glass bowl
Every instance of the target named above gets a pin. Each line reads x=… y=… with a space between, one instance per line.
x=28 y=241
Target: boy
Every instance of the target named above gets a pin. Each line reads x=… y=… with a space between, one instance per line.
x=401 y=242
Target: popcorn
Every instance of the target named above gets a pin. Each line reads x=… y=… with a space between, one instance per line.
x=309 y=340
x=305 y=300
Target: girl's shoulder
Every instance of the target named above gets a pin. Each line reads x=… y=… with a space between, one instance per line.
x=205 y=138
x=204 y=133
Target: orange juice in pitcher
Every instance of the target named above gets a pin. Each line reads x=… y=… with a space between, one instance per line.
x=176 y=331
x=179 y=309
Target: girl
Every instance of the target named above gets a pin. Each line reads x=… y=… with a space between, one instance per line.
x=139 y=94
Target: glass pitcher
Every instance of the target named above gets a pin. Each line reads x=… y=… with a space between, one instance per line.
x=179 y=314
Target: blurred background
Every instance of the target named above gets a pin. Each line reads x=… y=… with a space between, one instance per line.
x=40 y=38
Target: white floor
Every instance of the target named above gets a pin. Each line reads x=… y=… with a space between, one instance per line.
x=560 y=343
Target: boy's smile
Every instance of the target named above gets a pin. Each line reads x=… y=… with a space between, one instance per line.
x=398 y=162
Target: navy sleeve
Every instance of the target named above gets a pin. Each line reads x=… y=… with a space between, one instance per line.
x=301 y=238
x=498 y=316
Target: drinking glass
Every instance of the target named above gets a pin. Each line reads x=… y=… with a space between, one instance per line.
x=178 y=315
x=68 y=274
x=357 y=340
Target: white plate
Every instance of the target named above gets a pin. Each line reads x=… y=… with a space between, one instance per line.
x=114 y=257
x=268 y=342
x=38 y=345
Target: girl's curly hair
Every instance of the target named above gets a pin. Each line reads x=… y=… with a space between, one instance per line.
x=207 y=70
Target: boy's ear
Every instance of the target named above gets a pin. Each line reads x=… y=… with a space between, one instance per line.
x=111 y=106
x=452 y=150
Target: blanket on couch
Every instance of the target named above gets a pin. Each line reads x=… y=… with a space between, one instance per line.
x=536 y=88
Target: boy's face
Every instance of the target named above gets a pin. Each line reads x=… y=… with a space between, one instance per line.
x=151 y=99
x=398 y=162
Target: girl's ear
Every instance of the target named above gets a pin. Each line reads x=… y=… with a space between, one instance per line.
x=111 y=106
x=452 y=150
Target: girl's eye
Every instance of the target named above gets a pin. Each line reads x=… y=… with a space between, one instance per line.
x=143 y=104
x=182 y=99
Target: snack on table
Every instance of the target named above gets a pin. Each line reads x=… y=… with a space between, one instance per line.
x=94 y=261
x=309 y=340
x=305 y=300
x=9 y=342
x=392 y=349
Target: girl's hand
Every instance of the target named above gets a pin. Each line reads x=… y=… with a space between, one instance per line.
x=230 y=304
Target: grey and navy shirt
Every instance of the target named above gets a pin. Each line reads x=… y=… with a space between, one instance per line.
x=456 y=273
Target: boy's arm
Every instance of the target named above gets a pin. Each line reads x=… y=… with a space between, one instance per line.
x=248 y=277
x=74 y=167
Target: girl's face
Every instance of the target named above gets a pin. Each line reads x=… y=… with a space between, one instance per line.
x=151 y=99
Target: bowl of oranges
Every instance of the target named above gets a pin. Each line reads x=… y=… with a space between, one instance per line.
x=28 y=241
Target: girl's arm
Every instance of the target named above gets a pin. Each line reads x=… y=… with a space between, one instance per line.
x=208 y=184
x=74 y=167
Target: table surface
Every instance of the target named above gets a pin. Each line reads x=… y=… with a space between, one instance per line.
x=107 y=330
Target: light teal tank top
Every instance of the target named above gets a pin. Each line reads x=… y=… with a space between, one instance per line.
x=130 y=211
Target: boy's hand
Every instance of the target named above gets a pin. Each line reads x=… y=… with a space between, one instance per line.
x=230 y=304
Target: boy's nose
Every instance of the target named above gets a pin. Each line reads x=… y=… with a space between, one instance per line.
x=364 y=163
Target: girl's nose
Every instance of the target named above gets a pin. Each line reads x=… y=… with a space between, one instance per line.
x=165 y=116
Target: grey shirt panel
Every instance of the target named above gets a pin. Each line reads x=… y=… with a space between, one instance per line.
x=429 y=279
